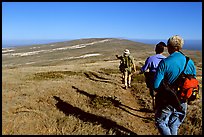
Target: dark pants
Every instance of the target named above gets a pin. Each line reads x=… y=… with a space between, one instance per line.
x=149 y=79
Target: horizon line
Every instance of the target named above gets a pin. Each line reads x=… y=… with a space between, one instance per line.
x=90 y=38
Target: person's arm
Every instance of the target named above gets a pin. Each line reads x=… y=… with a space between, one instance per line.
x=118 y=57
x=159 y=75
x=134 y=67
x=191 y=68
x=133 y=62
x=145 y=67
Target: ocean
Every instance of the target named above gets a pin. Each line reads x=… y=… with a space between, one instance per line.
x=188 y=44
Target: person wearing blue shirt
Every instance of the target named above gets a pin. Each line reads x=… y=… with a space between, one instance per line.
x=152 y=62
x=150 y=66
x=167 y=117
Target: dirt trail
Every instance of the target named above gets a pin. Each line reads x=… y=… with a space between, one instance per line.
x=134 y=119
x=140 y=122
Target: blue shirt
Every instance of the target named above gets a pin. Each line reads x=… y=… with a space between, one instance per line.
x=152 y=62
x=171 y=67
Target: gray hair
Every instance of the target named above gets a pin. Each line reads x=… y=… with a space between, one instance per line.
x=175 y=41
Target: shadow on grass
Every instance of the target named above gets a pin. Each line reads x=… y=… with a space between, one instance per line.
x=116 y=103
x=108 y=124
x=94 y=77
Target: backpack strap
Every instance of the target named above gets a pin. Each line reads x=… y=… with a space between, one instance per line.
x=174 y=84
x=187 y=59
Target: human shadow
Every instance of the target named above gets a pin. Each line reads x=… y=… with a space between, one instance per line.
x=114 y=102
x=108 y=124
x=94 y=77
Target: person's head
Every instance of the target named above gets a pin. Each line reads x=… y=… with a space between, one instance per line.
x=160 y=47
x=126 y=52
x=174 y=43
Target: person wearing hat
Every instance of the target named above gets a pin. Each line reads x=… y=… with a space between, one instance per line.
x=127 y=66
x=168 y=117
x=150 y=66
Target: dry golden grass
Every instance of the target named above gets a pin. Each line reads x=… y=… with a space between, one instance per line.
x=82 y=96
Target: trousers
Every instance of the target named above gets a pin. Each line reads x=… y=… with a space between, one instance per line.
x=127 y=78
x=168 y=119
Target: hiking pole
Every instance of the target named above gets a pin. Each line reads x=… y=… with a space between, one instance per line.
x=153 y=103
x=153 y=100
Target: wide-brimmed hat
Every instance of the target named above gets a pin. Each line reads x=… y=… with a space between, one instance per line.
x=126 y=51
x=175 y=41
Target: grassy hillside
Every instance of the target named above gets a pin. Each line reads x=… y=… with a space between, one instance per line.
x=75 y=88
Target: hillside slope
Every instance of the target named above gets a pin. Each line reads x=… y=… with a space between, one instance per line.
x=75 y=88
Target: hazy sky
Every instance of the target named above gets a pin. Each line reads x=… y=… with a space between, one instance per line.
x=74 y=20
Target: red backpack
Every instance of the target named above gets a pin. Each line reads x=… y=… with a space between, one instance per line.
x=187 y=86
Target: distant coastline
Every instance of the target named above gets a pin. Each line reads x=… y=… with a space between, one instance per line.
x=188 y=44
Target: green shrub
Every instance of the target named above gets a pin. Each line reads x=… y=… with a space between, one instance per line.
x=100 y=102
x=139 y=78
x=53 y=75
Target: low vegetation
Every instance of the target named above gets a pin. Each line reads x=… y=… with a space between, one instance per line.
x=53 y=75
x=57 y=93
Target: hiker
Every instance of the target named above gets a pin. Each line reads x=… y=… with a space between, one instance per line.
x=127 y=66
x=168 y=117
x=150 y=66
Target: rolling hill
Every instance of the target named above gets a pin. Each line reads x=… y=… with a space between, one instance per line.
x=75 y=88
